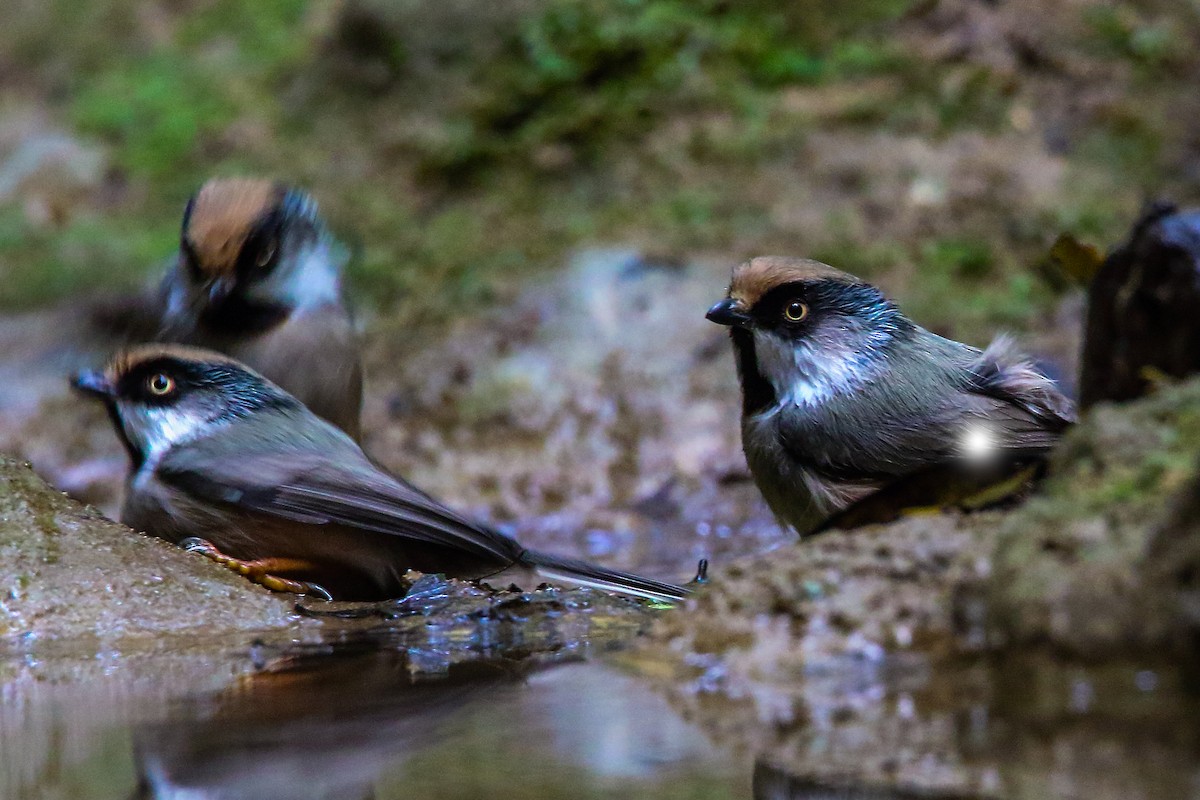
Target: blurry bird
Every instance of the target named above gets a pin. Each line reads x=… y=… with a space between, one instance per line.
x=228 y=463
x=842 y=394
x=258 y=277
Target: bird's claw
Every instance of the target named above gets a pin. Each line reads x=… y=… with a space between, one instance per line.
x=260 y=571
x=194 y=544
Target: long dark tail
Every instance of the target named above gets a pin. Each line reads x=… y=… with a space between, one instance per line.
x=582 y=573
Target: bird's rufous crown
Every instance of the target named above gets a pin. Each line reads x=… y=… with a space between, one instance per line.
x=754 y=278
x=223 y=215
x=127 y=360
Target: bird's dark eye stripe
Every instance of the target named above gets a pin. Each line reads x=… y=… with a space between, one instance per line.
x=137 y=382
x=774 y=303
x=823 y=296
x=262 y=246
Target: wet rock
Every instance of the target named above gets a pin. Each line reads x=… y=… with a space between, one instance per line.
x=843 y=595
x=1146 y=288
x=71 y=578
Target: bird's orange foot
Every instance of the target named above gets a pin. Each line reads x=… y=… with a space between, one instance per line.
x=262 y=571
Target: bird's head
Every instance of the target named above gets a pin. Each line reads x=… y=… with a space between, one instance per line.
x=159 y=396
x=251 y=243
x=805 y=331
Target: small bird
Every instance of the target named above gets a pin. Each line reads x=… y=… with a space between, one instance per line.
x=843 y=394
x=232 y=466
x=258 y=277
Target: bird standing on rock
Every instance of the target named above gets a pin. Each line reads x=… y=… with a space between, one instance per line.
x=258 y=277
x=843 y=394
x=232 y=466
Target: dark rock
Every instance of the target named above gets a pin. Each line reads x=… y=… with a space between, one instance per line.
x=1143 y=315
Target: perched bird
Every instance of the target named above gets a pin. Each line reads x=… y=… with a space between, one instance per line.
x=843 y=394
x=231 y=465
x=258 y=277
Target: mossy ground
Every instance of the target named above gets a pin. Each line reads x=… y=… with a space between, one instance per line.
x=1083 y=568
x=936 y=147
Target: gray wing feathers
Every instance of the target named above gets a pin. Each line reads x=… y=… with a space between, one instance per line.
x=323 y=480
x=923 y=419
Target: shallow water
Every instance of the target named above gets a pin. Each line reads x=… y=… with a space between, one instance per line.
x=362 y=719
x=374 y=711
x=462 y=693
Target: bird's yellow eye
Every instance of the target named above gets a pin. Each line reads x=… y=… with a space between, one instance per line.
x=160 y=384
x=795 y=311
x=267 y=252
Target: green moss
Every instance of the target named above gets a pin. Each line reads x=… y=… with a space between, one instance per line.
x=969 y=288
x=970 y=259
x=156 y=110
x=864 y=259
x=498 y=140
x=1120 y=30
x=583 y=73
x=1067 y=568
x=87 y=253
x=269 y=34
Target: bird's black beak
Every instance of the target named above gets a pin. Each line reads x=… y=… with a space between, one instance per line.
x=93 y=383
x=727 y=312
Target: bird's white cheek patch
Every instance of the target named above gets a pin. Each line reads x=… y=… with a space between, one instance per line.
x=160 y=430
x=801 y=377
x=312 y=282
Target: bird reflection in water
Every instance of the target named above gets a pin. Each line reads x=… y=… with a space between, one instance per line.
x=314 y=725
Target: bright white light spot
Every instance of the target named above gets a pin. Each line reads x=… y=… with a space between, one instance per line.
x=978 y=442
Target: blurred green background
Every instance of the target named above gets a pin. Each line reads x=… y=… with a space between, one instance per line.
x=462 y=147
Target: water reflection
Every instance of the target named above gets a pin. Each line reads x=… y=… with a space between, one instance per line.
x=365 y=727
x=772 y=783
x=1014 y=730
x=373 y=712
x=313 y=726
x=366 y=717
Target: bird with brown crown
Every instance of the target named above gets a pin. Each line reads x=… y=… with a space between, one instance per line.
x=230 y=465
x=258 y=277
x=842 y=394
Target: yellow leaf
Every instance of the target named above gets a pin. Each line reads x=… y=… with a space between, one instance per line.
x=1078 y=261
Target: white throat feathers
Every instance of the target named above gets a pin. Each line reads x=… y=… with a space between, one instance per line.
x=159 y=430
x=811 y=371
x=312 y=279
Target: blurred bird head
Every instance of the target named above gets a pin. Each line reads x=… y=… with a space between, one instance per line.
x=251 y=243
x=805 y=331
x=159 y=396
